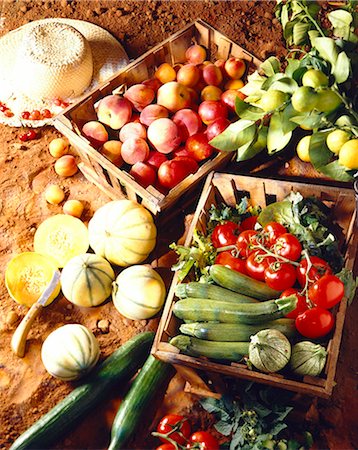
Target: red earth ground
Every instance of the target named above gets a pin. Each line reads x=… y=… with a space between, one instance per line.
x=26 y=390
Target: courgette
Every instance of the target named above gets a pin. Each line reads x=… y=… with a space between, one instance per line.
x=153 y=376
x=238 y=282
x=121 y=365
x=232 y=351
x=207 y=290
x=251 y=313
x=232 y=332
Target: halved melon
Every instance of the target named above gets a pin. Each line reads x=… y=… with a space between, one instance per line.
x=27 y=276
x=62 y=237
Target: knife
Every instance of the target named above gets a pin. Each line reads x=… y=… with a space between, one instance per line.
x=18 y=341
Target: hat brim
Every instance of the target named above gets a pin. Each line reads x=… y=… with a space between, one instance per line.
x=108 y=58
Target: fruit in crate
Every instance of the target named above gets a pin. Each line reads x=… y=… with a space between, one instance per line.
x=114 y=111
x=211 y=110
x=132 y=130
x=173 y=171
x=112 y=151
x=196 y=54
x=134 y=150
x=164 y=135
x=173 y=96
x=151 y=113
x=140 y=96
x=235 y=67
x=188 y=122
x=95 y=132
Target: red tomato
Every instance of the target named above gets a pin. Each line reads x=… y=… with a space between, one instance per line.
x=280 y=276
x=256 y=264
x=245 y=241
x=301 y=303
x=180 y=424
x=225 y=234
x=273 y=230
x=228 y=260
x=327 y=291
x=315 y=322
x=167 y=446
x=288 y=246
x=319 y=268
x=205 y=440
x=249 y=223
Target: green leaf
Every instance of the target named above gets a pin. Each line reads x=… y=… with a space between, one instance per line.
x=246 y=111
x=231 y=138
x=288 y=32
x=255 y=147
x=313 y=8
x=270 y=66
x=327 y=49
x=285 y=84
x=342 y=68
x=310 y=120
x=253 y=85
x=277 y=139
x=286 y=115
x=299 y=33
x=350 y=284
x=341 y=21
x=335 y=171
x=284 y=16
x=272 y=79
x=320 y=155
x=223 y=427
x=292 y=66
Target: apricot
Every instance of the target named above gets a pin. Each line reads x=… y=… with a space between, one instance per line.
x=54 y=194
x=165 y=73
x=132 y=129
x=66 y=166
x=173 y=96
x=95 y=132
x=234 y=84
x=195 y=54
x=210 y=93
x=188 y=75
x=140 y=96
x=112 y=151
x=134 y=150
x=235 y=67
x=58 y=147
x=73 y=208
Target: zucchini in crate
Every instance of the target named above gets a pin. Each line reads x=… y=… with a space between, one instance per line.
x=211 y=291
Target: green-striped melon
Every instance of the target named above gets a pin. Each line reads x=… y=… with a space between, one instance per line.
x=138 y=292
x=70 y=352
x=123 y=232
x=86 y=280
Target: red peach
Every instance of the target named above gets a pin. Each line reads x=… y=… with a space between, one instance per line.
x=153 y=83
x=114 y=111
x=198 y=147
x=228 y=98
x=151 y=113
x=188 y=122
x=195 y=54
x=95 y=132
x=217 y=127
x=134 y=150
x=189 y=161
x=173 y=96
x=212 y=75
x=211 y=110
x=164 y=135
x=155 y=159
x=132 y=129
x=181 y=151
x=140 y=96
x=235 y=67
x=188 y=75
x=143 y=173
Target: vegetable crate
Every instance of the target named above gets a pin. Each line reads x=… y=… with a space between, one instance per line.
x=115 y=182
x=230 y=189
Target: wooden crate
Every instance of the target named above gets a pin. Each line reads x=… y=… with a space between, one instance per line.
x=116 y=182
x=229 y=189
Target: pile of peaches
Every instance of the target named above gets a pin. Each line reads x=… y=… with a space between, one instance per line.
x=161 y=129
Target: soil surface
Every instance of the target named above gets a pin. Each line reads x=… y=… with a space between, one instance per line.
x=27 y=391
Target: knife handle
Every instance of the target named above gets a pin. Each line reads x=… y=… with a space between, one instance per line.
x=18 y=341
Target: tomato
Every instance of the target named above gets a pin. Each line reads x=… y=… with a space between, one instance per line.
x=205 y=440
x=288 y=246
x=249 y=223
x=319 y=268
x=180 y=424
x=256 y=264
x=327 y=291
x=167 y=446
x=171 y=173
x=273 y=230
x=245 y=241
x=280 y=276
x=315 y=322
x=225 y=234
x=228 y=260
x=301 y=303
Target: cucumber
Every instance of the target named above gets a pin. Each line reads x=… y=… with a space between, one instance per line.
x=207 y=290
x=153 y=376
x=251 y=313
x=121 y=365
x=231 y=332
x=238 y=282
x=232 y=351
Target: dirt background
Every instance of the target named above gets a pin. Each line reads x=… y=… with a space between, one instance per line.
x=26 y=390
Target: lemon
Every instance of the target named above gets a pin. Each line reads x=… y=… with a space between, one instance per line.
x=336 y=139
x=327 y=100
x=304 y=99
x=272 y=100
x=348 y=155
x=315 y=78
x=302 y=149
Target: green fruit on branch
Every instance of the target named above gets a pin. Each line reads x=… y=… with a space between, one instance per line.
x=315 y=78
x=272 y=99
x=336 y=139
x=304 y=99
x=308 y=358
x=302 y=149
x=269 y=350
x=327 y=101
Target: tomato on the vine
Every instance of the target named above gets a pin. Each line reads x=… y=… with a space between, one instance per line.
x=176 y=422
x=225 y=234
x=167 y=446
x=245 y=242
x=228 y=260
x=301 y=302
x=288 y=246
x=248 y=223
x=319 y=268
x=327 y=291
x=273 y=230
x=315 y=322
x=280 y=276
x=257 y=263
x=203 y=440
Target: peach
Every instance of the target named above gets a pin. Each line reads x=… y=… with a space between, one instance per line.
x=198 y=147
x=188 y=122
x=112 y=151
x=210 y=93
x=181 y=151
x=134 y=150
x=151 y=113
x=165 y=73
x=114 y=111
x=54 y=194
x=155 y=159
x=234 y=84
x=174 y=96
x=164 y=135
x=143 y=173
x=66 y=166
x=194 y=98
x=58 y=147
x=188 y=75
x=132 y=129
x=217 y=127
x=235 y=67
x=221 y=64
x=73 y=208
x=212 y=75
x=95 y=132
x=140 y=96
x=195 y=54
x=211 y=110
x=153 y=83
x=229 y=97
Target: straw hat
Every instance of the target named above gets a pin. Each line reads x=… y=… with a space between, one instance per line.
x=49 y=61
